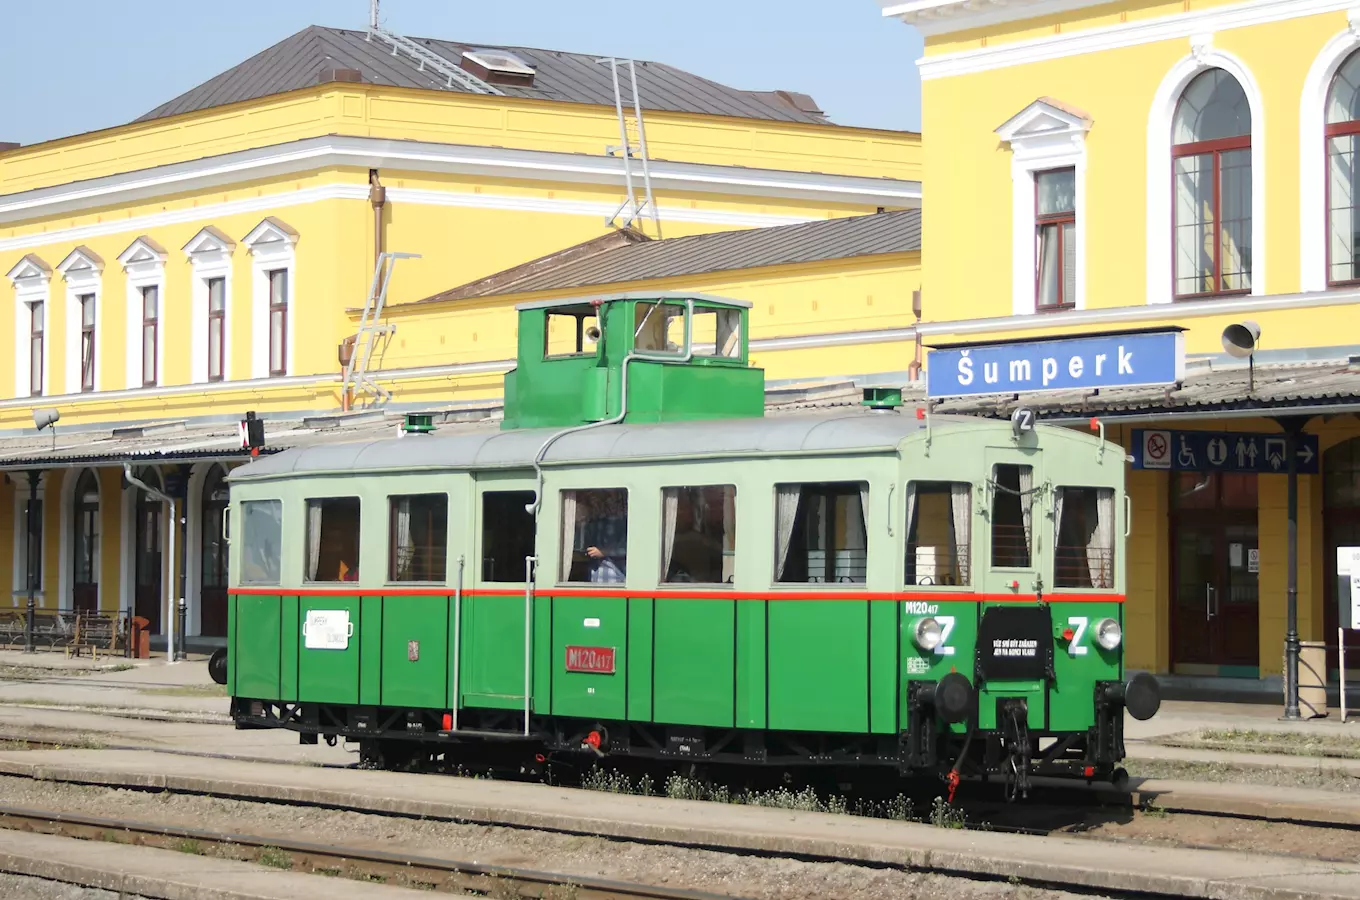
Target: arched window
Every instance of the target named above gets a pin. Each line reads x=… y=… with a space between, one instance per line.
x=1211 y=158
x=1343 y=145
x=85 y=594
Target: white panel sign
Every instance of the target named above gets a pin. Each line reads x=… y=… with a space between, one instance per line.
x=1348 y=575
x=327 y=629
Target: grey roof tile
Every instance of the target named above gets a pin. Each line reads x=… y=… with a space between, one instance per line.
x=296 y=61
x=889 y=232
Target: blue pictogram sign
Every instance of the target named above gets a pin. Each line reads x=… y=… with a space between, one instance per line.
x=1221 y=451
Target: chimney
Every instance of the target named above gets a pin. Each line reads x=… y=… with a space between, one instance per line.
x=338 y=73
x=9 y=145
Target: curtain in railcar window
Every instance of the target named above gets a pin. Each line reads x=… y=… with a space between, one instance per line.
x=1084 y=557
x=1012 y=516
x=939 y=532
x=699 y=540
x=333 y=539
x=820 y=534
x=594 y=536
x=418 y=537
x=261 y=541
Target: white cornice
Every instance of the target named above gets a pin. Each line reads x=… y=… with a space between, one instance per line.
x=932 y=17
x=1127 y=34
x=417 y=156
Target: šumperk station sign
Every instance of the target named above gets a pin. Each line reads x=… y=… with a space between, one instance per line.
x=1084 y=362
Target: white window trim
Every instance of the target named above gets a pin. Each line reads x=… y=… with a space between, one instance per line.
x=145 y=267
x=31 y=282
x=1313 y=227
x=1042 y=137
x=1160 y=252
x=271 y=249
x=209 y=258
x=83 y=275
x=20 y=567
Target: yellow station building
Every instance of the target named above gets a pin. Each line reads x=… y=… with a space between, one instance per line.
x=211 y=257
x=1098 y=167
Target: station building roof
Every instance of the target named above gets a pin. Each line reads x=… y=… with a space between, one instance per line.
x=297 y=61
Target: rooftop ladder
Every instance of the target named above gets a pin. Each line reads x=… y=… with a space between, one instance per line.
x=457 y=76
x=632 y=147
x=357 y=381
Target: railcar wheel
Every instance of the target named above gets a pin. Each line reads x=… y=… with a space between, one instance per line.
x=217 y=665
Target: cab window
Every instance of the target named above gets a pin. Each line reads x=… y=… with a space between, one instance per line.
x=332 y=539
x=571 y=331
x=418 y=534
x=660 y=328
x=595 y=536
x=716 y=332
x=1084 y=554
x=820 y=535
x=261 y=541
x=939 y=532
x=699 y=540
x=1012 y=516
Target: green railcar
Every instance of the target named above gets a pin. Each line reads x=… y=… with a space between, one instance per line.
x=641 y=564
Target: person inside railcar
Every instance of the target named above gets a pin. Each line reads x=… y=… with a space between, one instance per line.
x=595 y=525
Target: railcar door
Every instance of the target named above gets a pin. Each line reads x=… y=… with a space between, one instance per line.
x=1015 y=633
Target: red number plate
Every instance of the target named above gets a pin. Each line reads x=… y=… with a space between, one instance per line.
x=591 y=659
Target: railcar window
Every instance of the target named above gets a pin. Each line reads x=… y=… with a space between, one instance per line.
x=571 y=332
x=716 y=332
x=507 y=534
x=939 y=532
x=333 y=539
x=820 y=535
x=261 y=541
x=699 y=534
x=660 y=328
x=417 y=537
x=1084 y=557
x=594 y=536
x=1012 y=516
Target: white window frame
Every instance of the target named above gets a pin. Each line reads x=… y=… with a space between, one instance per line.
x=209 y=254
x=20 y=567
x=144 y=263
x=272 y=247
x=1203 y=56
x=1043 y=136
x=1313 y=225
x=83 y=273
x=31 y=279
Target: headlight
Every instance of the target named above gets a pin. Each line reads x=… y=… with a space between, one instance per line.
x=928 y=633
x=1108 y=634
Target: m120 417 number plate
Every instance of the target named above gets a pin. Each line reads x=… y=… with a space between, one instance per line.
x=599 y=660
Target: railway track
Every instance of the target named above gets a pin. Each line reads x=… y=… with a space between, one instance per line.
x=356 y=863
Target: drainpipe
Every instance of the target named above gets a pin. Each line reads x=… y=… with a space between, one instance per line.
x=170 y=610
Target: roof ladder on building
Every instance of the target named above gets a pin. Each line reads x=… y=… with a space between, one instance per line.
x=357 y=381
x=427 y=58
x=632 y=147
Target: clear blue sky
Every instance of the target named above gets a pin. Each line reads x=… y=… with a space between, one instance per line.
x=91 y=64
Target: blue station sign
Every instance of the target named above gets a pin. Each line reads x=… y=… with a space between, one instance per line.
x=1135 y=359
x=1221 y=451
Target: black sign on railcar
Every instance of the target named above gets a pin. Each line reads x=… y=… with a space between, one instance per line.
x=1015 y=643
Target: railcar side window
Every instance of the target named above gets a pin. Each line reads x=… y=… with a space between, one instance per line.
x=820 y=535
x=594 y=536
x=333 y=539
x=660 y=328
x=699 y=534
x=716 y=332
x=1084 y=555
x=261 y=541
x=939 y=532
x=1012 y=516
x=507 y=534
x=417 y=537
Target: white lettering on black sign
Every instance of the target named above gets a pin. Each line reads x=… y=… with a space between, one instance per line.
x=1011 y=647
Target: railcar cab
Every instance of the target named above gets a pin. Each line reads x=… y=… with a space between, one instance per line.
x=1013 y=624
x=678 y=357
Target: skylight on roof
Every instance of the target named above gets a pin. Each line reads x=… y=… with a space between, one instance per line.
x=499 y=61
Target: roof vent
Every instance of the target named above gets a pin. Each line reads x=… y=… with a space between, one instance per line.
x=498 y=67
x=338 y=73
x=882 y=398
x=417 y=423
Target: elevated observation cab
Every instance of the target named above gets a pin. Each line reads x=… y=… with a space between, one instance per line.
x=637 y=358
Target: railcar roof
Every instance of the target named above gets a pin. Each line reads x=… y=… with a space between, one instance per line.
x=858 y=430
